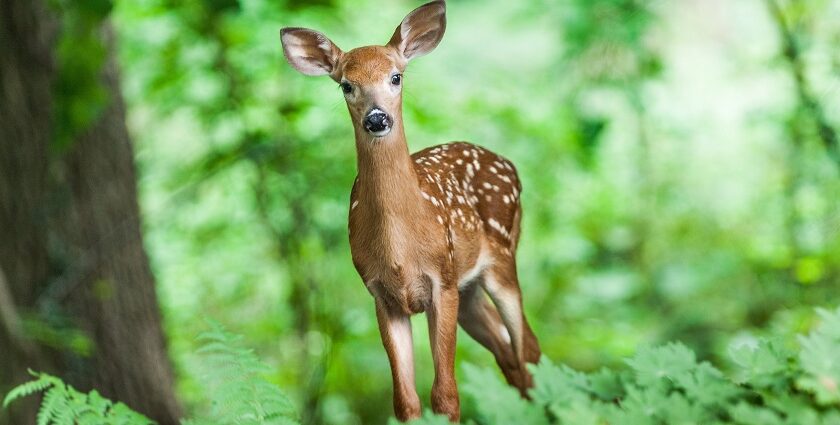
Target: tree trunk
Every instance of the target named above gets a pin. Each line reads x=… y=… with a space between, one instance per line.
x=70 y=239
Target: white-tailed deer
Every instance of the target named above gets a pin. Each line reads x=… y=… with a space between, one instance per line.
x=433 y=231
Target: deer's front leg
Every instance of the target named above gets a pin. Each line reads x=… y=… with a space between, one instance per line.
x=443 y=320
x=395 y=329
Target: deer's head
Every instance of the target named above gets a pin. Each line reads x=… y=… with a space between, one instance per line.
x=370 y=77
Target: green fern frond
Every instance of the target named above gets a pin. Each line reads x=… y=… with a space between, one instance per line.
x=53 y=402
x=64 y=405
x=43 y=382
x=234 y=377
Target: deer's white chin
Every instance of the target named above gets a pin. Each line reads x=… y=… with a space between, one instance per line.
x=382 y=133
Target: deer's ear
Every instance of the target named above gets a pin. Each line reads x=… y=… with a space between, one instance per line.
x=420 y=31
x=310 y=52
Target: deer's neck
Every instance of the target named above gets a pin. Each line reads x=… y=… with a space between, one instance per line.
x=388 y=183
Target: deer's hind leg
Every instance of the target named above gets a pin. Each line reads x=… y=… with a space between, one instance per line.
x=502 y=285
x=482 y=322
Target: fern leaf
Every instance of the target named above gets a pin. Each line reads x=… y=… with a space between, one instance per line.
x=99 y=404
x=234 y=376
x=43 y=382
x=63 y=405
x=53 y=402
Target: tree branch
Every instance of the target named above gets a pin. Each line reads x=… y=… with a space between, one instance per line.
x=793 y=54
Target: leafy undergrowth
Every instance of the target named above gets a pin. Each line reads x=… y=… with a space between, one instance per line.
x=769 y=385
x=232 y=375
x=62 y=404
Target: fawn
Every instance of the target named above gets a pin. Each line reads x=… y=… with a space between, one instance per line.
x=433 y=231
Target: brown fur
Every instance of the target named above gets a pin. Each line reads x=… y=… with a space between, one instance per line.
x=366 y=65
x=430 y=232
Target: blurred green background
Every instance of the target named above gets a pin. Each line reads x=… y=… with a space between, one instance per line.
x=679 y=161
x=676 y=185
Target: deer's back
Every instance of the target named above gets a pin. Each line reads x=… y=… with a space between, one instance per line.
x=473 y=188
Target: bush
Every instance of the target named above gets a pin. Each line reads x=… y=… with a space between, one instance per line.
x=769 y=385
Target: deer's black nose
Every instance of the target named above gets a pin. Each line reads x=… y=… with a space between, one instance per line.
x=377 y=122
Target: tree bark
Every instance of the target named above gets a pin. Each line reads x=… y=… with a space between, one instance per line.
x=26 y=70
x=70 y=233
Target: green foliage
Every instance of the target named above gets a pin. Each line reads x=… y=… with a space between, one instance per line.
x=664 y=385
x=820 y=360
x=498 y=403
x=234 y=377
x=674 y=187
x=667 y=385
x=239 y=392
x=80 y=55
x=64 y=405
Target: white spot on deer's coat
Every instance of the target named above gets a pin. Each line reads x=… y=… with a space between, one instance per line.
x=355 y=204
x=498 y=227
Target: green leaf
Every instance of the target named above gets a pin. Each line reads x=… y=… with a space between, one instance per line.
x=763 y=365
x=746 y=414
x=560 y=386
x=497 y=402
x=606 y=385
x=53 y=402
x=707 y=386
x=820 y=359
x=27 y=388
x=655 y=365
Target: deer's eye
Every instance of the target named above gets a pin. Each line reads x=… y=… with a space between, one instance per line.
x=346 y=87
x=396 y=79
